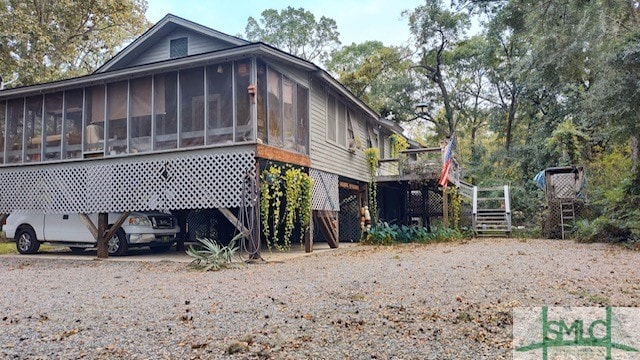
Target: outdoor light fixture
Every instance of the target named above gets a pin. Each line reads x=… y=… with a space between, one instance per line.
x=421 y=108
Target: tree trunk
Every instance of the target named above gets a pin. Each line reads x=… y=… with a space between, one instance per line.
x=511 y=116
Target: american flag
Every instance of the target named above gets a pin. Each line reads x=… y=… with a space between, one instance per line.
x=448 y=156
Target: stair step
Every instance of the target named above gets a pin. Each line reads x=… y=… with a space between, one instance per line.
x=491 y=198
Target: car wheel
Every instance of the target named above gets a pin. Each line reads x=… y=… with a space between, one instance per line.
x=77 y=250
x=26 y=241
x=117 y=244
x=160 y=248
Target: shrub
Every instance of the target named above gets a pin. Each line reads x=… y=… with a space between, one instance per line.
x=210 y=255
x=388 y=234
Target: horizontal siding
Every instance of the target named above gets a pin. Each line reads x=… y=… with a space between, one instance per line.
x=198 y=44
x=330 y=157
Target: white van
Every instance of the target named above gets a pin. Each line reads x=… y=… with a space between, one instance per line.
x=154 y=229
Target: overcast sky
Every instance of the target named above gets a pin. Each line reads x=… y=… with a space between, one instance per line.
x=357 y=20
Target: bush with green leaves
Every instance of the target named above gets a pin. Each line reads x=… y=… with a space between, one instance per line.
x=210 y=255
x=388 y=234
x=615 y=197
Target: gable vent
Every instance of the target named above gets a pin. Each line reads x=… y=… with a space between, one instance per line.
x=178 y=48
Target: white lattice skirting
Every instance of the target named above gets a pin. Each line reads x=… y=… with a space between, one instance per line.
x=187 y=180
x=325 y=194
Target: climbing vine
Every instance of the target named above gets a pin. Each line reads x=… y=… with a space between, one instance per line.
x=270 y=198
x=293 y=187
x=456 y=202
x=373 y=157
x=398 y=144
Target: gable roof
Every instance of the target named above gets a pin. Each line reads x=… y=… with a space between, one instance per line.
x=163 y=27
x=110 y=71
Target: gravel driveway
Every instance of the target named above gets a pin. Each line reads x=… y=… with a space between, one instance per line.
x=439 y=301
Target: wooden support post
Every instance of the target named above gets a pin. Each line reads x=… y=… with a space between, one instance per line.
x=115 y=227
x=308 y=236
x=102 y=234
x=181 y=216
x=234 y=221
x=103 y=220
x=90 y=225
x=330 y=232
x=254 y=245
x=445 y=208
x=427 y=218
x=402 y=205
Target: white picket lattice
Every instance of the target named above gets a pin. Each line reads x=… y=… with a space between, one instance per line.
x=187 y=180
x=325 y=194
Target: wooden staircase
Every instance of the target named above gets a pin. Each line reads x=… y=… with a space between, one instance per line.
x=491 y=211
x=328 y=223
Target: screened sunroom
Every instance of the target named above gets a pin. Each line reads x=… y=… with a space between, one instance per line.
x=155 y=108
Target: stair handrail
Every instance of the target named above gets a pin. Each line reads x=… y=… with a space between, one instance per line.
x=474 y=208
x=466 y=189
x=507 y=207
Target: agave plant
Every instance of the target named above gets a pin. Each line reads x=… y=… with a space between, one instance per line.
x=210 y=255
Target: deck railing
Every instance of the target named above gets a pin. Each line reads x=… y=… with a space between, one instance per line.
x=422 y=163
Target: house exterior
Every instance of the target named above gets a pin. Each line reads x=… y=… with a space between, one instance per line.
x=185 y=118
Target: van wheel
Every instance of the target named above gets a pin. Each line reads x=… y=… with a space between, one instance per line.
x=117 y=244
x=26 y=241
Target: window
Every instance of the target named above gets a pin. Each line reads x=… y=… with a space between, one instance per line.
x=166 y=111
x=331 y=118
x=94 y=128
x=283 y=108
x=244 y=128
x=178 y=48
x=372 y=136
x=381 y=140
x=262 y=102
x=219 y=104
x=192 y=107
x=302 y=126
x=15 y=118
x=342 y=124
x=117 y=117
x=351 y=135
x=140 y=109
x=336 y=121
x=289 y=114
x=73 y=123
x=53 y=126
x=33 y=128
x=274 y=106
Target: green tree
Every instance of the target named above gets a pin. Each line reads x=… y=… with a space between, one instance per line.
x=435 y=30
x=42 y=40
x=377 y=74
x=471 y=87
x=295 y=31
x=569 y=142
